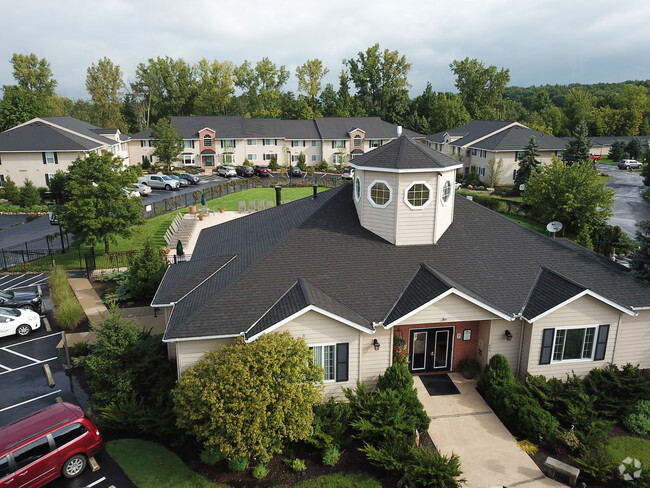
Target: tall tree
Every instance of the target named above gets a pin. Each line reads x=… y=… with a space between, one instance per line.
x=310 y=77
x=261 y=86
x=96 y=208
x=381 y=81
x=578 y=108
x=106 y=88
x=572 y=194
x=528 y=163
x=481 y=88
x=215 y=87
x=168 y=143
x=640 y=262
x=441 y=110
x=32 y=96
x=632 y=103
x=577 y=149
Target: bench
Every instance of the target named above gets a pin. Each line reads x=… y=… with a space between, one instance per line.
x=557 y=466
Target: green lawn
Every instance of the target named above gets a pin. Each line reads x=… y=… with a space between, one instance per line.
x=150 y=465
x=619 y=448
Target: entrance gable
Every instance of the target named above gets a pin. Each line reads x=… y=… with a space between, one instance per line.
x=451 y=307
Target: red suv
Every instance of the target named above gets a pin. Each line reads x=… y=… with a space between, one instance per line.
x=56 y=441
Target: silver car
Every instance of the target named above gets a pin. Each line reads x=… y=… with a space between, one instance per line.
x=226 y=171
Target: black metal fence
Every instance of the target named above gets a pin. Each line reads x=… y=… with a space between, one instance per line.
x=41 y=249
x=118 y=260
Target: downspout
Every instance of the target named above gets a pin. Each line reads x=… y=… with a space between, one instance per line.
x=618 y=330
x=521 y=346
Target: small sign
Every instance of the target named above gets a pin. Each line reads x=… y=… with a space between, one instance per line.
x=467 y=335
x=147 y=208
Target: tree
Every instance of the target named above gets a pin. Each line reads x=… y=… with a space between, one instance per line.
x=640 y=262
x=106 y=88
x=10 y=191
x=572 y=194
x=261 y=87
x=310 y=76
x=528 y=163
x=495 y=168
x=632 y=103
x=249 y=399
x=146 y=270
x=215 y=87
x=381 y=80
x=616 y=150
x=481 y=88
x=577 y=149
x=633 y=148
x=167 y=141
x=584 y=238
x=442 y=111
x=29 y=195
x=578 y=108
x=96 y=208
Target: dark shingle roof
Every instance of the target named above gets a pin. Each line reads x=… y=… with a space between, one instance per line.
x=550 y=290
x=404 y=154
x=470 y=131
x=515 y=139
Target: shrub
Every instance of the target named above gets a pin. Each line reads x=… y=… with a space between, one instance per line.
x=638 y=422
x=331 y=456
x=617 y=390
x=596 y=466
x=331 y=424
x=238 y=464
x=146 y=270
x=28 y=194
x=69 y=313
x=211 y=455
x=260 y=471
x=81 y=348
x=528 y=447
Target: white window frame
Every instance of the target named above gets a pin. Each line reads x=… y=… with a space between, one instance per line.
x=297 y=143
x=270 y=142
x=228 y=159
x=315 y=143
x=188 y=157
x=338 y=144
x=474 y=151
x=445 y=192
x=594 y=340
x=251 y=157
x=357 y=188
x=208 y=140
x=338 y=158
x=267 y=156
x=251 y=142
x=188 y=143
x=316 y=158
x=390 y=194
x=322 y=360
x=357 y=141
x=425 y=204
x=48 y=177
x=374 y=143
x=50 y=158
x=228 y=143
x=519 y=155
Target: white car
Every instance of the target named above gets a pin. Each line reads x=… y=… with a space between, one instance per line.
x=18 y=321
x=131 y=192
x=141 y=188
x=226 y=171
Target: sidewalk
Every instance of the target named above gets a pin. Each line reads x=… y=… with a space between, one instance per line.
x=464 y=424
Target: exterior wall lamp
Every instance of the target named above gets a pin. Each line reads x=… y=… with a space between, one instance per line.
x=375 y=344
x=508 y=335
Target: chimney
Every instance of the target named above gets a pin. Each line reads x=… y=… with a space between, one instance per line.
x=399 y=131
x=315 y=188
x=278 y=196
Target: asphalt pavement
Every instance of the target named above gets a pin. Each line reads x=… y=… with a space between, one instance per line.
x=629 y=207
x=14 y=229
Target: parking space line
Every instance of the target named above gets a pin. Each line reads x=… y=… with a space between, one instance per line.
x=28 y=366
x=6 y=349
x=9 y=281
x=103 y=478
x=29 y=401
x=28 y=279
x=3 y=366
x=35 y=339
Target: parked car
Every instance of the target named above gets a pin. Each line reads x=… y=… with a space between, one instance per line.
x=261 y=171
x=594 y=157
x=132 y=192
x=629 y=164
x=143 y=189
x=181 y=181
x=52 y=442
x=17 y=321
x=245 y=171
x=295 y=172
x=191 y=179
x=226 y=171
x=348 y=174
x=21 y=299
x=162 y=182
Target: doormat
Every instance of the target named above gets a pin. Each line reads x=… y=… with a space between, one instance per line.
x=439 y=384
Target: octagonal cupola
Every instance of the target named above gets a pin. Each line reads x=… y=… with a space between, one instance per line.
x=404 y=192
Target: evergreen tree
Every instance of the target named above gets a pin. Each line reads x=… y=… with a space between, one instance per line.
x=528 y=163
x=584 y=238
x=577 y=149
x=146 y=270
x=640 y=262
x=167 y=141
x=10 y=191
x=617 y=150
x=29 y=195
x=633 y=148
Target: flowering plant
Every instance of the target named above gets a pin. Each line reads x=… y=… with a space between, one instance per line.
x=400 y=354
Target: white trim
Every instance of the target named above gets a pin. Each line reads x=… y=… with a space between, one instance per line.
x=327 y=344
x=590 y=293
x=415 y=207
x=574 y=327
x=444 y=202
x=369 y=190
x=309 y=308
x=357 y=183
x=392 y=170
x=470 y=299
x=189 y=339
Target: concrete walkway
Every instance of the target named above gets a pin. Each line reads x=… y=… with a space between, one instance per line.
x=464 y=424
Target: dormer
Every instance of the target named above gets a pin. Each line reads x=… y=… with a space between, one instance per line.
x=404 y=192
x=206 y=139
x=357 y=138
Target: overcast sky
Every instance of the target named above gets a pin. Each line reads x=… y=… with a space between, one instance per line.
x=541 y=41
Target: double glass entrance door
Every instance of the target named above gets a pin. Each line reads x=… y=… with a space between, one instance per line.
x=430 y=349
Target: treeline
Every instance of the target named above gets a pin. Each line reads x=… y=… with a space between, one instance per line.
x=374 y=83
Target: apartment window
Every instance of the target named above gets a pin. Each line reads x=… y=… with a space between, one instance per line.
x=228 y=143
x=338 y=159
x=294 y=158
x=514 y=174
x=315 y=143
x=379 y=194
x=2 y=180
x=187 y=159
x=474 y=151
x=481 y=171
x=417 y=195
x=207 y=140
x=316 y=158
x=297 y=143
x=48 y=177
x=357 y=141
x=228 y=158
x=251 y=142
x=50 y=158
x=270 y=142
x=251 y=157
x=146 y=159
x=334 y=360
x=144 y=143
x=338 y=144
x=267 y=157
x=483 y=153
x=188 y=144
x=375 y=143
x=574 y=344
x=519 y=155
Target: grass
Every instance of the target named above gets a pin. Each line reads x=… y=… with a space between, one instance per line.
x=619 y=448
x=231 y=202
x=67 y=310
x=150 y=465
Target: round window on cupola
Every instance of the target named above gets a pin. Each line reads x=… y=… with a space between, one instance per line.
x=418 y=195
x=357 y=189
x=446 y=192
x=380 y=194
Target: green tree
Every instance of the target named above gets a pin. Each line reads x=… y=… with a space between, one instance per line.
x=495 y=168
x=481 y=89
x=381 y=80
x=215 y=87
x=96 y=208
x=577 y=149
x=572 y=194
x=250 y=399
x=578 y=108
x=29 y=194
x=106 y=88
x=168 y=143
x=146 y=270
x=528 y=163
x=640 y=262
x=633 y=148
x=632 y=103
x=616 y=150
x=261 y=86
x=10 y=191
x=310 y=77
x=584 y=238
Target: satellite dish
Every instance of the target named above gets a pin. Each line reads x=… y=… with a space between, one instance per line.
x=554 y=226
x=522 y=187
